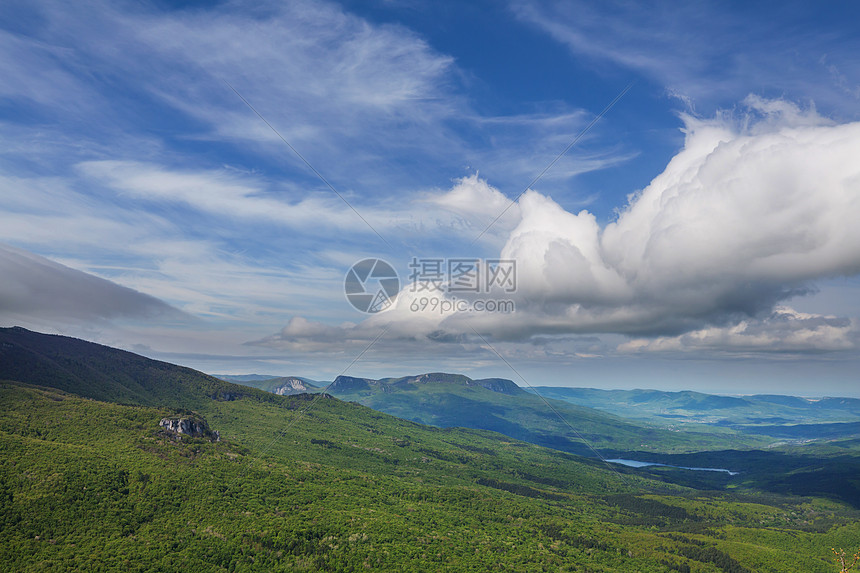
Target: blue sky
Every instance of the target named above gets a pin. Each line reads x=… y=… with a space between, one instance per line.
x=701 y=234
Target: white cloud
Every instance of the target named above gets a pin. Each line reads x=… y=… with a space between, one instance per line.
x=117 y=96
x=466 y=209
x=751 y=212
x=221 y=192
x=784 y=331
x=472 y=205
x=740 y=219
x=373 y=107
x=341 y=90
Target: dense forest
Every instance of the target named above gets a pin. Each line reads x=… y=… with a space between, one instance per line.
x=312 y=483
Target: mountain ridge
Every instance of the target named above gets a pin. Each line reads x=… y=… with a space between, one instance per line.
x=349 y=383
x=747 y=412
x=497 y=404
x=101 y=372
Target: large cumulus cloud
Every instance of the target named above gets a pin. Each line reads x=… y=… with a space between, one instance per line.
x=741 y=218
x=752 y=211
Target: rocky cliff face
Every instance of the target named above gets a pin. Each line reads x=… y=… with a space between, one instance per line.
x=291 y=386
x=191 y=427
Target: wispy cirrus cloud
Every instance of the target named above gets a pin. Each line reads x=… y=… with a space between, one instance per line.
x=372 y=106
x=124 y=154
x=222 y=192
x=709 y=55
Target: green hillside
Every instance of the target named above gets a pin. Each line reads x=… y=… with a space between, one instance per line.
x=105 y=373
x=312 y=483
x=88 y=485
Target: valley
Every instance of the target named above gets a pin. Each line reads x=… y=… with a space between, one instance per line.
x=813 y=462
x=90 y=480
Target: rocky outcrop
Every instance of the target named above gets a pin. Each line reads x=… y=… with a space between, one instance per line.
x=290 y=386
x=191 y=427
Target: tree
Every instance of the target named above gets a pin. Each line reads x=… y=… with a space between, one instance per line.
x=842 y=559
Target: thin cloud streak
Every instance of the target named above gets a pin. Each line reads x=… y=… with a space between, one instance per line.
x=707 y=55
x=34 y=286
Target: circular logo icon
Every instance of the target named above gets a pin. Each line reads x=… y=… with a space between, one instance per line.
x=371 y=285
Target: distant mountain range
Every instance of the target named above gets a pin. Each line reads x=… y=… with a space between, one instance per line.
x=647 y=420
x=498 y=404
x=765 y=414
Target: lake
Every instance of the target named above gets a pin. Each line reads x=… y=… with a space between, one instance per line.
x=636 y=464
